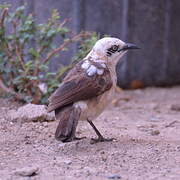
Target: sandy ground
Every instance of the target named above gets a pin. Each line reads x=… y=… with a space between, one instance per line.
x=147 y=145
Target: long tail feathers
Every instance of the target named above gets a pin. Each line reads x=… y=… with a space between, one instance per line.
x=68 y=119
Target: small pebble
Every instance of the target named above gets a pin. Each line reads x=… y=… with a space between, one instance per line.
x=114 y=176
x=155 y=132
x=175 y=107
x=68 y=162
x=27 y=171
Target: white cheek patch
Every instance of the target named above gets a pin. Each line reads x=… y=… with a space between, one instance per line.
x=100 y=71
x=85 y=65
x=91 y=70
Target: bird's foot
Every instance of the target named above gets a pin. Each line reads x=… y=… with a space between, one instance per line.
x=74 y=138
x=78 y=138
x=101 y=139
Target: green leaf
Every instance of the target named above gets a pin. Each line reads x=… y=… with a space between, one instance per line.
x=43 y=67
x=34 y=53
x=18 y=80
x=26 y=39
x=50 y=74
x=51 y=33
x=32 y=77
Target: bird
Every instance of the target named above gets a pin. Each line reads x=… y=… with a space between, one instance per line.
x=87 y=89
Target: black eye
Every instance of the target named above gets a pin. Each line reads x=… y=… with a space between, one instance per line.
x=114 y=47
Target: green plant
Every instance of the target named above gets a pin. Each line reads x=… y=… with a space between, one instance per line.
x=85 y=46
x=25 y=53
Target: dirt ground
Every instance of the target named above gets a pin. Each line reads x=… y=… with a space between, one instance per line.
x=147 y=145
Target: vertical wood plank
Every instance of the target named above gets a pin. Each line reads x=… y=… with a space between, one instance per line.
x=105 y=17
x=146 y=23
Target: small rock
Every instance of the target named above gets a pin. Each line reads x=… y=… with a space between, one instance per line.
x=155 y=132
x=178 y=148
x=114 y=176
x=68 y=162
x=175 y=107
x=45 y=124
x=154 y=119
x=59 y=160
x=31 y=112
x=27 y=171
x=61 y=145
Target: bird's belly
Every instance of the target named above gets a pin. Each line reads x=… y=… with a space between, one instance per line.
x=92 y=108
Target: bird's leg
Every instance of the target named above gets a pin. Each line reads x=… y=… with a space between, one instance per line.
x=100 y=137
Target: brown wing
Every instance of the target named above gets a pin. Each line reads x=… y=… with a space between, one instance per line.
x=77 y=86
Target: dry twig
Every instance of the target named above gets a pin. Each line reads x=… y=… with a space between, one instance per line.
x=3 y=15
x=65 y=44
x=10 y=91
x=171 y=124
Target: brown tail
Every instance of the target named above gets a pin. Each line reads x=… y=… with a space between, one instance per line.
x=68 y=119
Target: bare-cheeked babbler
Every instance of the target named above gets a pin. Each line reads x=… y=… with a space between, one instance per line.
x=88 y=88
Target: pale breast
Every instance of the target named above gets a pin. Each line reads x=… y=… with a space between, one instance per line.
x=92 y=108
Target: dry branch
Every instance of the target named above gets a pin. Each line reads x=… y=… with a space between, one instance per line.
x=10 y=91
x=20 y=56
x=65 y=44
x=3 y=15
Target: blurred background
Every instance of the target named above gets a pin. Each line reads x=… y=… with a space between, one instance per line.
x=152 y=25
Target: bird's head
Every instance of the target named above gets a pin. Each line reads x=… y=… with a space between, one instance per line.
x=111 y=49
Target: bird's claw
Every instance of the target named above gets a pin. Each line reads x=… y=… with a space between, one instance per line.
x=78 y=138
x=101 y=139
x=74 y=139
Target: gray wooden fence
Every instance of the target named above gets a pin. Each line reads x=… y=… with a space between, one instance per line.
x=154 y=25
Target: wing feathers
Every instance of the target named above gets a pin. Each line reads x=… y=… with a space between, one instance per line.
x=79 y=86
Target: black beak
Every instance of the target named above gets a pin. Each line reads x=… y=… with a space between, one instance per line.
x=130 y=46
